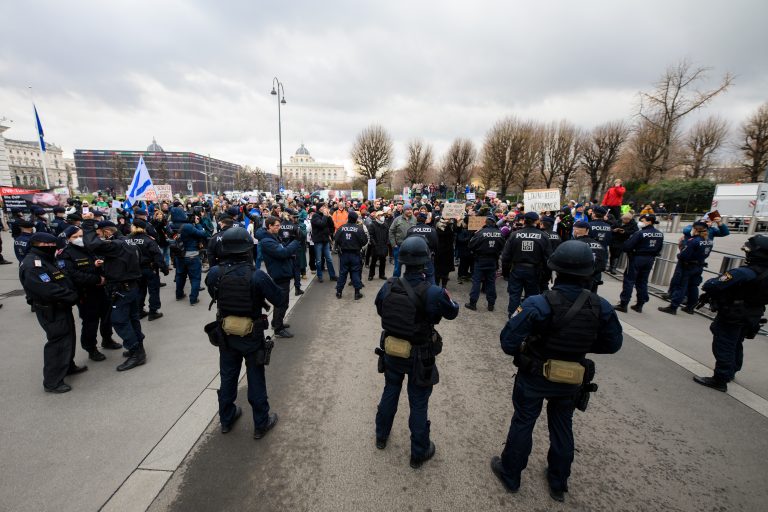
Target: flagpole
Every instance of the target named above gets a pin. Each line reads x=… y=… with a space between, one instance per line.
x=43 y=153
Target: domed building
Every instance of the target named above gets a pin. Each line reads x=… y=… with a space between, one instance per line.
x=155 y=147
x=303 y=171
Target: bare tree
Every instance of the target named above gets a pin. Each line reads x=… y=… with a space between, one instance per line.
x=459 y=161
x=244 y=178
x=420 y=160
x=754 y=133
x=531 y=160
x=562 y=150
x=120 y=173
x=502 y=151
x=373 y=153
x=702 y=143
x=601 y=150
x=646 y=148
x=675 y=96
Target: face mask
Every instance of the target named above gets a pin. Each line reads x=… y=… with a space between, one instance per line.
x=642 y=224
x=48 y=251
x=380 y=220
x=78 y=242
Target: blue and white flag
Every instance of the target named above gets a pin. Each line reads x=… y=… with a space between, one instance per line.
x=39 y=129
x=139 y=185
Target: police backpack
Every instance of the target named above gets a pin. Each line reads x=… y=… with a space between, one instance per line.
x=404 y=312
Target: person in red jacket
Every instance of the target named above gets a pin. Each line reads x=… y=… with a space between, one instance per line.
x=613 y=198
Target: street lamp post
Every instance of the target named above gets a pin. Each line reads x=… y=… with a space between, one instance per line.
x=279 y=91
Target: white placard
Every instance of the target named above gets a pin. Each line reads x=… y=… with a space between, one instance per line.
x=470 y=196
x=542 y=200
x=453 y=211
x=372 y=189
x=164 y=192
x=490 y=194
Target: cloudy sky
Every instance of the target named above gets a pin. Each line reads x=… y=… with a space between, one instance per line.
x=197 y=74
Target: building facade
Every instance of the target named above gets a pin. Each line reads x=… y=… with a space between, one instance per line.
x=25 y=164
x=302 y=171
x=187 y=173
x=5 y=172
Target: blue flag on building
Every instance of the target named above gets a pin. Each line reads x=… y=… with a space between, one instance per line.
x=139 y=185
x=39 y=129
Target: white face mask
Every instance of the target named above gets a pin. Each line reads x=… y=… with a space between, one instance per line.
x=78 y=242
x=642 y=224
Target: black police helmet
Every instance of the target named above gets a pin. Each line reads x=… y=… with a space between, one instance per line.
x=574 y=258
x=756 y=250
x=236 y=240
x=414 y=251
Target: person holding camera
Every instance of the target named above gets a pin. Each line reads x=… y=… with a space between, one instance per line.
x=188 y=264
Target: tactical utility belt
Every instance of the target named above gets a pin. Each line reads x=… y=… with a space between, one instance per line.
x=242 y=325
x=554 y=370
x=397 y=347
x=124 y=286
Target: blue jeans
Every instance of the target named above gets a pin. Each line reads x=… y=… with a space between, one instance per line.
x=418 y=400
x=521 y=278
x=396 y=255
x=636 y=276
x=125 y=318
x=324 y=249
x=350 y=262
x=259 y=259
x=167 y=255
x=230 y=362
x=528 y=398
x=191 y=267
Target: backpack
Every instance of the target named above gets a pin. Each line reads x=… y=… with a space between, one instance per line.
x=403 y=312
x=176 y=246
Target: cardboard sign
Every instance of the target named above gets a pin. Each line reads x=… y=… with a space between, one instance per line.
x=542 y=200
x=453 y=211
x=164 y=192
x=476 y=222
x=150 y=194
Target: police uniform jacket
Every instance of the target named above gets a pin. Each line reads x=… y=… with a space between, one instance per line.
x=646 y=242
x=150 y=255
x=351 y=237
x=21 y=245
x=602 y=232
x=527 y=247
x=740 y=295
x=425 y=231
x=598 y=251
x=58 y=224
x=487 y=244
x=535 y=315
x=79 y=265
x=44 y=282
x=696 y=251
x=121 y=260
x=214 y=248
x=289 y=232
x=41 y=226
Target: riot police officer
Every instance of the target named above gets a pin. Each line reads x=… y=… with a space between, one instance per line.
x=642 y=249
x=93 y=306
x=549 y=338
x=409 y=308
x=290 y=231
x=580 y=233
x=21 y=244
x=215 y=243
x=429 y=234
x=151 y=261
x=350 y=239
x=691 y=261
x=523 y=259
x=240 y=291
x=739 y=297
x=122 y=273
x=486 y=246
x=52 y=295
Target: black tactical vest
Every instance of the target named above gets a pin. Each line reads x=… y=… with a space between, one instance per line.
x=233 y=291
x=402 y=318
x=573 y=338
x=125 y=266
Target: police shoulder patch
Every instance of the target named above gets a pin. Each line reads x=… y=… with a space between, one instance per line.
x=726 y=277
x=60 y=263
x=45 y=278
x=517 y=311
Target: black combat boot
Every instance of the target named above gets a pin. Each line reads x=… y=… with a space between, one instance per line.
x=711 y=382
x=416 y=462
x=668 y=309
x=358 y=295
x=136 y=357
x=689 y=309
x=110 y=344
x=271 y=422
x=637 y=307
x=621 y=306
x=154 y=315
x=471 y=305
x=95 y=355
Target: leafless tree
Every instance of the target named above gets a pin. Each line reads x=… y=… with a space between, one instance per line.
x=703 y=141
x=601 y=150
x=373 y=153
x=676 y=95
x=754 y=133
x=562 y=150
x=502 y=151
x=458 y=162
x=420 y=161
x=646 y=149
x=531 y=160
x=244 y=178
x=120 y=173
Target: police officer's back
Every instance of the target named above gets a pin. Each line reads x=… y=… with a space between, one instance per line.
x=240 y=292
x=600 y=254
x=641 y=248
x=599 y=229
x=215 y=243
x=486 y=246
x=549 y=338
x=410 y=308
x=350 y=239
x=524 y=257
x=21 y=243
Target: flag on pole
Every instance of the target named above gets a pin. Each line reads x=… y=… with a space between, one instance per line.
x=39 y=129
x=139 y=185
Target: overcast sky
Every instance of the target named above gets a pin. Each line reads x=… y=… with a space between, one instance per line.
x=197 y=74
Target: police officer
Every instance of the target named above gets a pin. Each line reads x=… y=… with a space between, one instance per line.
x=41 y=221
x=240 y=291
x=215 y=246
x=486 y=246
x=151 y=261
x=545 y=224
x=409 y=308
x=580 y=233
x=429 y=234
x=642 y=249
x=59 y=223
x=555 y=329
x=691 y=261
x=599 y=229
x=17 y=214
x=350 y=239
x=21 y=242
x=290 y=231
x=122 y=272
x=739 y=297
x=523 y=259
x=93 y=306
x=52 y=295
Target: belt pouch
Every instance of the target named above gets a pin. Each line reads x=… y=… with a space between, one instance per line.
x=397 y=347
x=237 y=325
x=563 y=372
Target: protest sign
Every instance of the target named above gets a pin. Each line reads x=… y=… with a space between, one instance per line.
x=453 y=211
x=476 y=222
x=28 y=199
x=490 y=194
x=542 y=200
x=163 y=192
x=471 y=196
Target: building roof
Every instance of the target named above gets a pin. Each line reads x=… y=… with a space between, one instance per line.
x=302 y=150
x=155 y=146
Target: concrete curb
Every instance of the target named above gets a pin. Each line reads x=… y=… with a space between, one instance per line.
x=144 y=484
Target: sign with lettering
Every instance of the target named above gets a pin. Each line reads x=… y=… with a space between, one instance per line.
x=476 y=222
x=542 y=200
x=453 y=211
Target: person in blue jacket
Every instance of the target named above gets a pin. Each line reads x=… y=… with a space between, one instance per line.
x=563 y=324
x=190 y=265
x=716 y=228
x=690 y=265
x=279 y=262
